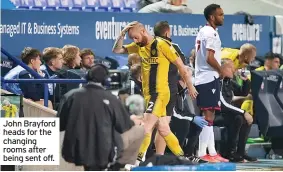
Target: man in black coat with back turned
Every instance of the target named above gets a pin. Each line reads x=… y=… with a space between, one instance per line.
x=98 y=129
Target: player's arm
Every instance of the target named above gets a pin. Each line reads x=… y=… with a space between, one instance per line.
x=118 y=47
x=210 y=50
x=172 y=55
x=212 y=61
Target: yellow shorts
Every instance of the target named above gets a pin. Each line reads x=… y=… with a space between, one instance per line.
x=156 y=104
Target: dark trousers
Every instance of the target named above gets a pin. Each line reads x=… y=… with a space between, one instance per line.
x=187 y=133
x=237 y=131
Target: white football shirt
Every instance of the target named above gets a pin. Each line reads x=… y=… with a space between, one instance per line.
x=207 y=38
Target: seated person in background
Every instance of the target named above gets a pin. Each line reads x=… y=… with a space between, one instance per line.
x=136 y=82
x=241 y=58
x=133 y=59
x=14 y=74
x=53 y=61
x=187 y=123
x=237 y=121
x=272 y=62
x=87 y=56
x=72 y=60
x=167 y=6
x=101 y=126
x=143 y=3
x=33 y=91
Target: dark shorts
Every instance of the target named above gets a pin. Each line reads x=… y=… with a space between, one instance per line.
x=171 y=104
x=209 y=95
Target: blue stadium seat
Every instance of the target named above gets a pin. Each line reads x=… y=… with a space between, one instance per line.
x=104 y=5
x=66 y=4
x=79 y=4
x=117 y=5
x=26 y=4
x=53 y=4
x=132 y=4
x=17 y=3
x=40 y=4
x=91 y=5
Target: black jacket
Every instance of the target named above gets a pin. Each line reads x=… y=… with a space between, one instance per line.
x=229 y=88
x=93 y=119
x=185 y=105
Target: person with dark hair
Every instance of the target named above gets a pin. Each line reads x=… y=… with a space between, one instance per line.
x=162 y=29
x=208 y=71
x=272 y=62
x=33 y=91
x=87 y=56
x=99 y=133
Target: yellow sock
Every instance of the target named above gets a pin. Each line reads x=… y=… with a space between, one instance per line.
x=144 y=146
x=173 y=144
x=248 y=106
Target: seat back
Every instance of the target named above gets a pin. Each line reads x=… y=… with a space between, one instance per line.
x=269 y=113
x=279 y=92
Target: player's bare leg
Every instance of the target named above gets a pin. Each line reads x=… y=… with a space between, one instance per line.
x=170 y=139
x=160 y=144
x=149 y=123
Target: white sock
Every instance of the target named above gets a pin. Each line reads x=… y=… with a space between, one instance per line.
x=211 y=142
x=203 y=141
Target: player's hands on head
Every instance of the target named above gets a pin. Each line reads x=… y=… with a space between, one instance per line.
x=192 y=92
x=130 y=25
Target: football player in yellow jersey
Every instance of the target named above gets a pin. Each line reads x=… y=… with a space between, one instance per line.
x=241 y=58
x=10 y=109
x=156 y=54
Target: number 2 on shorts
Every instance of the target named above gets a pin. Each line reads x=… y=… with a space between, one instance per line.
x=150 y=106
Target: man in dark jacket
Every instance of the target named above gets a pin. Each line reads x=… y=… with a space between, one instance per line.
x=98 y=129
x=186 y=123
x=237 y=121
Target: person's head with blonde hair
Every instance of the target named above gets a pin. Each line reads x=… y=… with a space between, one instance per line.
x=247 y=54
x=133 y=59
x=71 y=56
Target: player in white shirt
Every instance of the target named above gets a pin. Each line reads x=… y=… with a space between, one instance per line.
x=208 y=72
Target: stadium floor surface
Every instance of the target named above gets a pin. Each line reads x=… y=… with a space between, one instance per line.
x=261 y=165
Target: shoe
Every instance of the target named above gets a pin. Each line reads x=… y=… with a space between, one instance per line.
x=209 y=159
x=249 y=159
x=196 y=159
x=234 y=157
x=219 y=158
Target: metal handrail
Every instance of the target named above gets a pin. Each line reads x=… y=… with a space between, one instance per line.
x=39 y=79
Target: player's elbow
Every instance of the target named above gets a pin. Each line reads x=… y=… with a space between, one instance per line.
x=115 y=50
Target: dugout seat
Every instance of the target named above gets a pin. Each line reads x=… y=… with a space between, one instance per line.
x=279 y=89
x=269 y=113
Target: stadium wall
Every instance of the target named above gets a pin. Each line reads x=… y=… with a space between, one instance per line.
x=40 y=29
